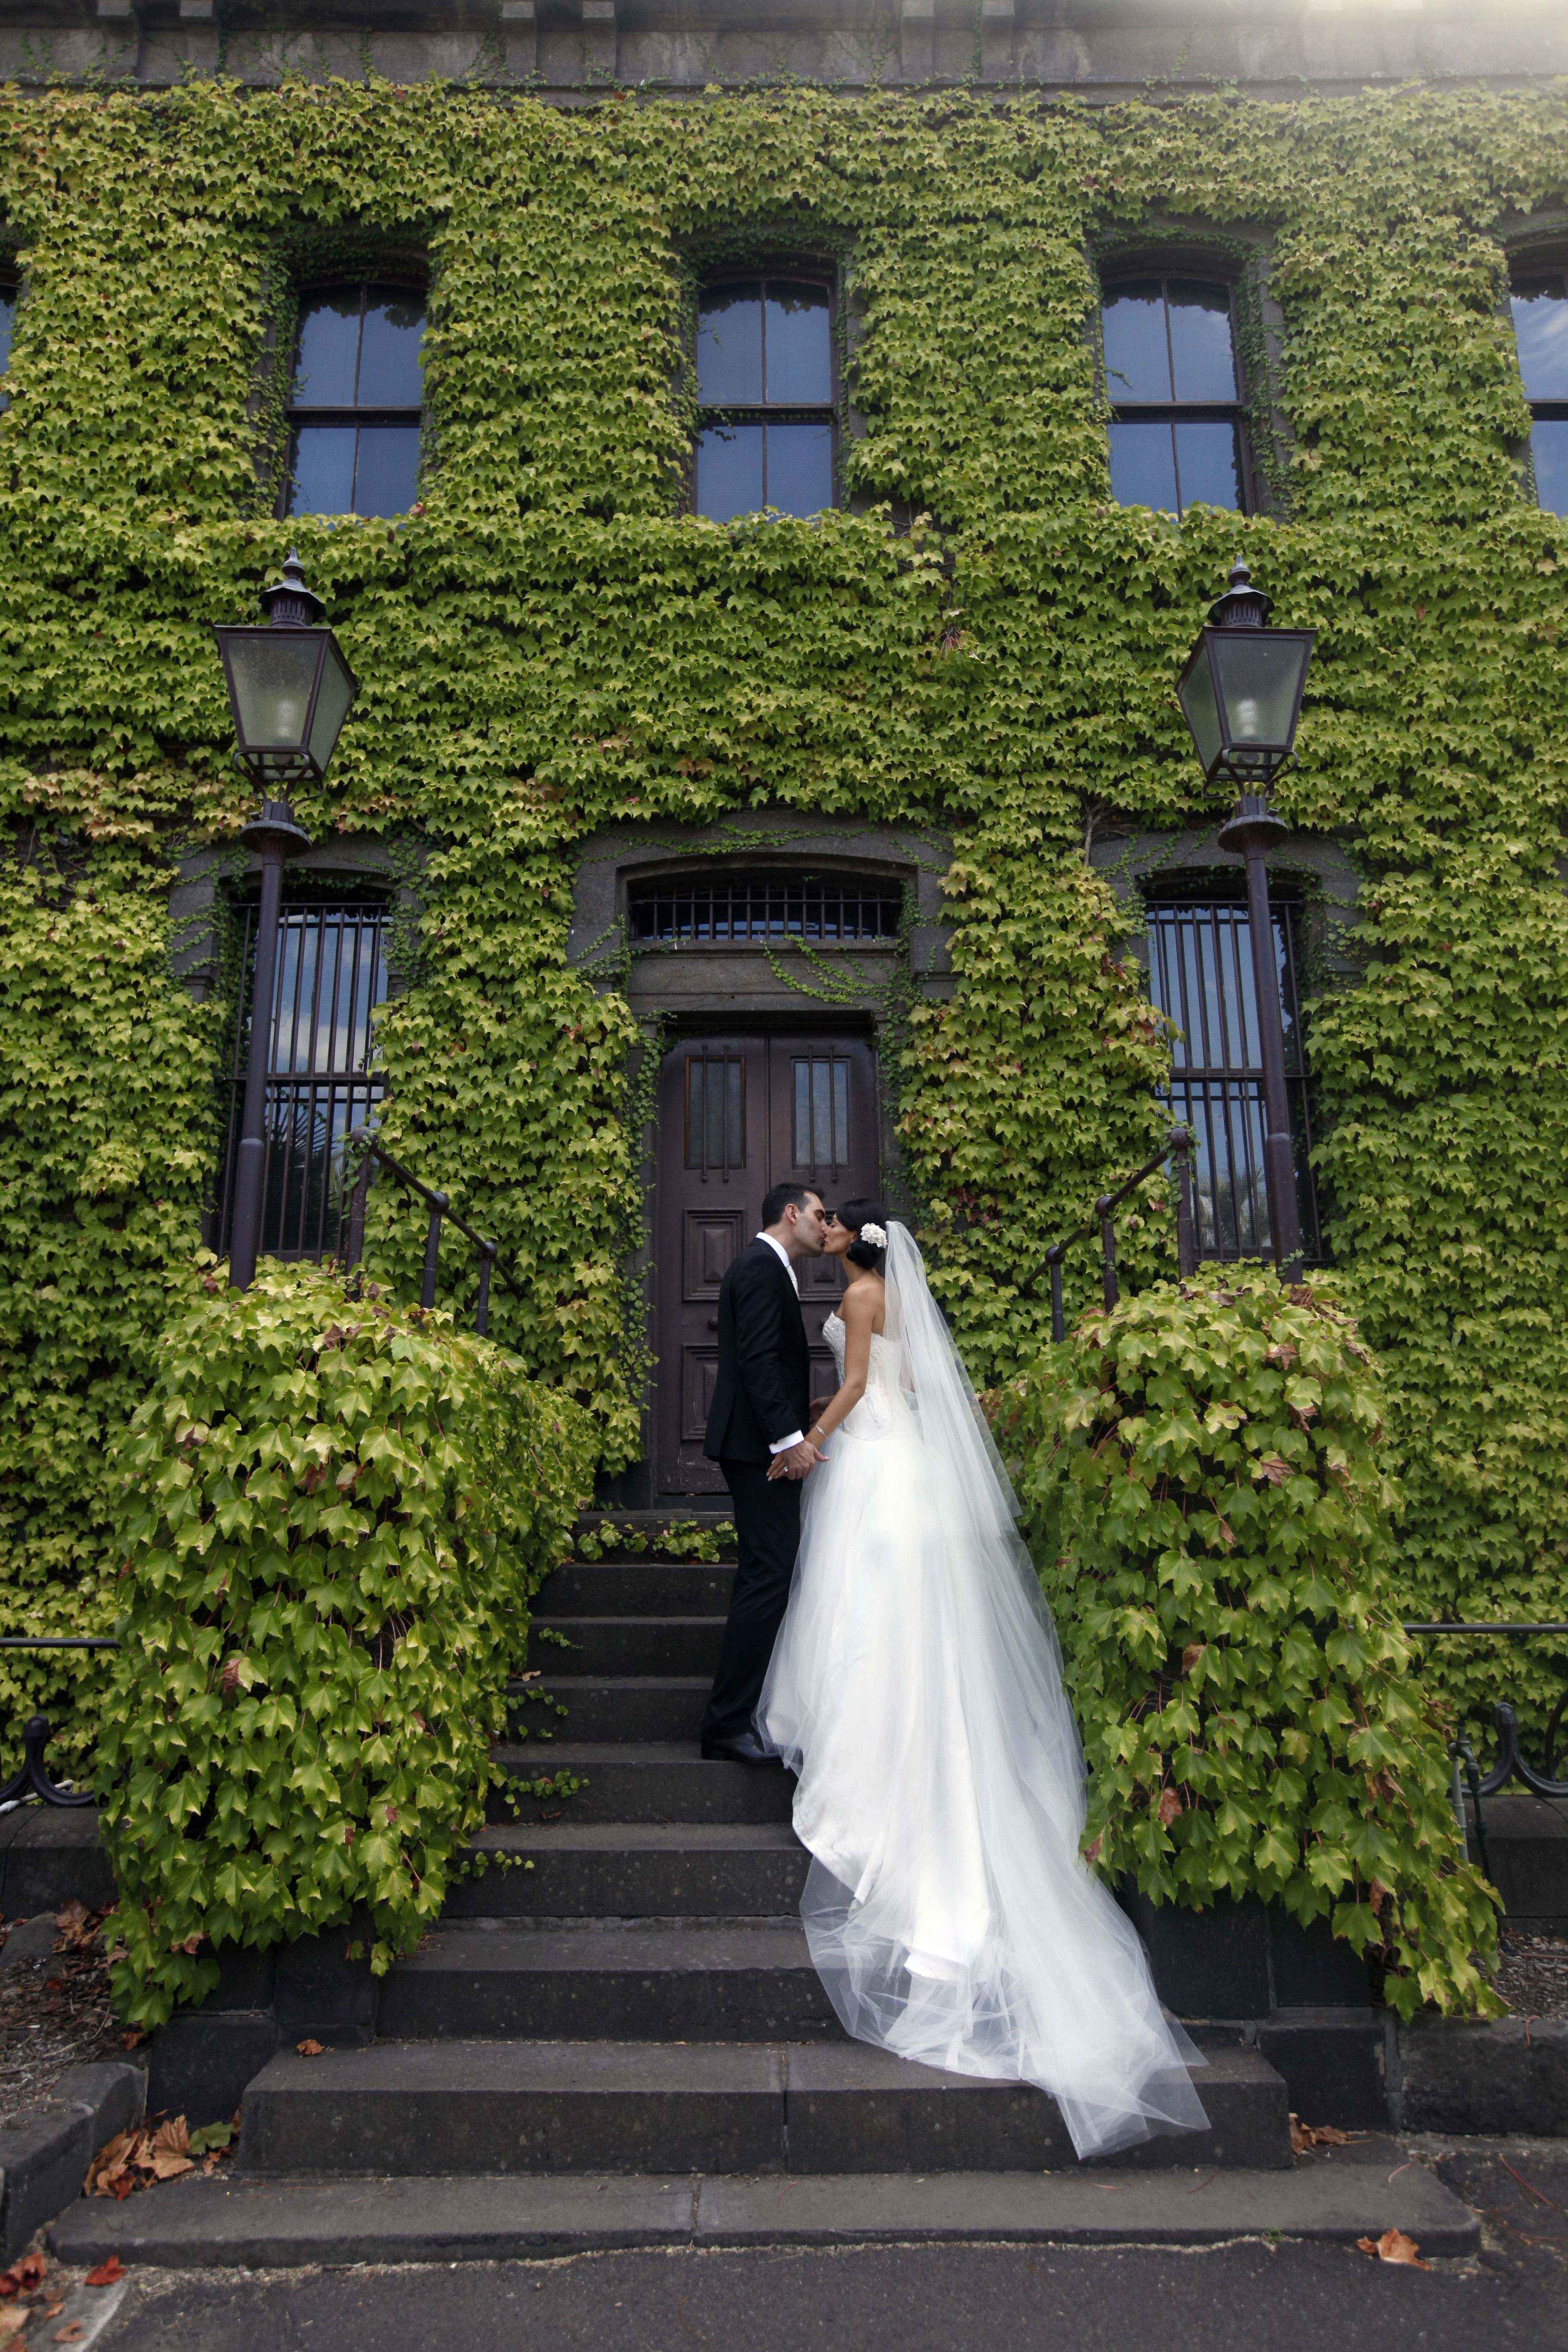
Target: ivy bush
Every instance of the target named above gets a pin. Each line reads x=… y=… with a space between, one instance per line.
x=978 y=641
x=1200 y=1474
x=334 y=1514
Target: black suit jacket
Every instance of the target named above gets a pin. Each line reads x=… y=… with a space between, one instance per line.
x=763 y=1388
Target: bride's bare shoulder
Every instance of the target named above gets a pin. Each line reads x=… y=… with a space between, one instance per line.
x=864 y=1303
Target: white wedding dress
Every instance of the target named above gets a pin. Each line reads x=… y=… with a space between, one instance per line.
x=916 y=1689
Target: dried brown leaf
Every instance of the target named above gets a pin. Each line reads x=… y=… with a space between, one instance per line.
x=1393 y=2246
x=107 y=2270
x=1169 y=1806
x=309 y=2048
x=1271 y=1467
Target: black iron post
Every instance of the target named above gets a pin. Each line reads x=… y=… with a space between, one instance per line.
x=1252 y=830
x=273 y=834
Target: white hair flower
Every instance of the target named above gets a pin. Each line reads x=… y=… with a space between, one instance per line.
x=875 y=1235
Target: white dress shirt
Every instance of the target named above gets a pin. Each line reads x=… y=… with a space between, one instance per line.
x=795 y=1436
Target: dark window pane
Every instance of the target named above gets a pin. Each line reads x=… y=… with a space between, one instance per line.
x=1548 y=447
x=1540 y=329
x=729 y=470
x=1201 y=350
x=1137 y=361
x=799 y=347
x=1206 y=466
x=329 y=350
x=389 y=359
x=730 y=346
x=1143 y=466
x=323 y=479
x=8 y=320
x=388 y=468
x=800 y=467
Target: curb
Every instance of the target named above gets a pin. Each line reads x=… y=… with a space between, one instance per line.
x=1507 y=2076
x=43 y=2158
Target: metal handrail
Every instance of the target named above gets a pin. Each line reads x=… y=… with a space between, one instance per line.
x=1179 y=1144
x=32 y=1781
x=439 y=1205
x=1511 y=1765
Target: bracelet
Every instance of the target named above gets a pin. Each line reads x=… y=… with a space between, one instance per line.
x=813 y=1436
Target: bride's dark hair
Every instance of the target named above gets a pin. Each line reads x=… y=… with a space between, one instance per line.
x=855 y=1214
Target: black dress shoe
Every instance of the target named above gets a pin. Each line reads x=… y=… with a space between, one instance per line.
x=744 y=1748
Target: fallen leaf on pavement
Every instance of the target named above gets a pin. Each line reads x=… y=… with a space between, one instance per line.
x=107 y=2273
x=309 y=2048
x=1304 y=2137
x=13 y=2321
x=71 y=2333
x=1393 y=2246
x=23 y=2274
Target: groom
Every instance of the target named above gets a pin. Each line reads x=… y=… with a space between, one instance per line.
x=761 y=1407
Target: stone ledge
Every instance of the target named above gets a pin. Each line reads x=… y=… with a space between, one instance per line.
x=43 y=2158
x=1510 y=2075
x=212 y=2224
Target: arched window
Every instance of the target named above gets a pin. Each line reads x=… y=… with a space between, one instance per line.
x=765 y=396
x=355 y=401
x=1177 y=433
x=1541 y=330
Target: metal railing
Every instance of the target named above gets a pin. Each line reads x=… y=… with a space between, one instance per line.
x=32 y=1781
x=1511 y=1765
x=1178 y=1145
x=441 y=1210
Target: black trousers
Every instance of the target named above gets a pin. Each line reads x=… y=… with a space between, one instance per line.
x=767 y=1527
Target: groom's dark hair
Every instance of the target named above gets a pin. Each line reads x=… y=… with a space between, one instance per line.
x=786 y=1196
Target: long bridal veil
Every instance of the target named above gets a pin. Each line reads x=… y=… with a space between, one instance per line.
x=917 y=1690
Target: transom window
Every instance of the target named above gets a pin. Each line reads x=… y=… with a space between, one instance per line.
x=1540 y=329
x=355 y=400
x=764 y=393
x=331 y=977
x=1200 y=975
x=735 y=911
x=1176 y=432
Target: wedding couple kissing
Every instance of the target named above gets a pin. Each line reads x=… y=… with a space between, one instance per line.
x=887 y=1638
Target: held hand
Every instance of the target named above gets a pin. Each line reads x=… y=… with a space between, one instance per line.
x=799 y=1460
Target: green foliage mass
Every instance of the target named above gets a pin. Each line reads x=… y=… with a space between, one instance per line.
x=977 y=640
x=1200 y=1477
x=334 y=1514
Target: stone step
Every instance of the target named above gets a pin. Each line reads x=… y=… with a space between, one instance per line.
x=651 y=1780
x=654 y=1522
x=629 y=1645
x=624 y=1869
x=705 y=1982
x=636 y=1588
x=529 y=2106
x=198 y=2224
x=635 y=1707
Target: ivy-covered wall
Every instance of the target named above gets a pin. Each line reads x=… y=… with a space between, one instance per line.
x=979 y=640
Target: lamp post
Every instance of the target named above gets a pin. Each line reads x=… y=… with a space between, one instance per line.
x=1241 y=696
x=289 y=691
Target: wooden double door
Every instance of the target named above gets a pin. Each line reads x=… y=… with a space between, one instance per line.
x=736 y=1116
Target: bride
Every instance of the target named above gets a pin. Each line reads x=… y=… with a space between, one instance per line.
x=915 y=1687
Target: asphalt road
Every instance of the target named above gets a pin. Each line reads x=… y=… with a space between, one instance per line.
x=1242 y=2297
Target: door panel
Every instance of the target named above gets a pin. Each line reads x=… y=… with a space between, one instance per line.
x=738 y=1115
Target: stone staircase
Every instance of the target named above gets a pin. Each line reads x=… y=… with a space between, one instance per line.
x=625 y=2041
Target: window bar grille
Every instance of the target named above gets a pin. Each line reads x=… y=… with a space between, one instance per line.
x=331 y=978
x=725 y=913
x=1201 y=975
